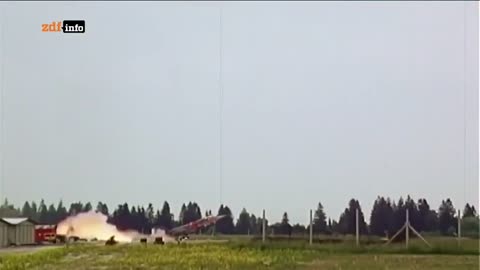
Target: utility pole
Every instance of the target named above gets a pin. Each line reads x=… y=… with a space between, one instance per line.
x=459 y=225
x=263 y=226
x=311 y=228
x=356 y=227
x=407 y=229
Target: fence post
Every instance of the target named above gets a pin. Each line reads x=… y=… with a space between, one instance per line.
x=459 y=229
x=311 y=228
x=357 y=232
x=407 y=229
x=263 y=226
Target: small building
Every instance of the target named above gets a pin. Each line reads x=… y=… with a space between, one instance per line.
x=3 y=233
x=17 y=231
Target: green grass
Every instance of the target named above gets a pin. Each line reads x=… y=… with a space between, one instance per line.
x=243 y=253
x=368 y=244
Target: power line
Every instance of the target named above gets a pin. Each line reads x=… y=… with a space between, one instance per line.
x=464 y=103
x=220 y=101
x=2 y=104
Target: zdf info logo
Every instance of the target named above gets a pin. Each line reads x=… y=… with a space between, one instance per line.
x=68 y=26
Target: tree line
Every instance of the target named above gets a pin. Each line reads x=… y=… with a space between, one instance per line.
x=386 y=217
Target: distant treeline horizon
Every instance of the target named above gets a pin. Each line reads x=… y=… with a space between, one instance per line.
x=386 y=217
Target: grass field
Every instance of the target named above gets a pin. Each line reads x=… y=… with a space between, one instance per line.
x=244 y=254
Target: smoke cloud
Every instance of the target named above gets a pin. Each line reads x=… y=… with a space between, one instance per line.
x=90 y=225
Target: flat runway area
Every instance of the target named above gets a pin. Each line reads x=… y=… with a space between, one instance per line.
x=205 y=241
x=26 y=249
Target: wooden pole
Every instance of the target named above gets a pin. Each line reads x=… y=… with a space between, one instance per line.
x=69 y=232
x=357 y=232
x=396 y=234
x=263 y=226
x=404 y=227
x=419 y=236
x=407 y=229
x=311 y=228
x=459 y=225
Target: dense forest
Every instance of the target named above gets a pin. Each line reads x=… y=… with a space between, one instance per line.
x=386 y=217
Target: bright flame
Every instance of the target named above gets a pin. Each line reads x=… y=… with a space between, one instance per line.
x=90 y=225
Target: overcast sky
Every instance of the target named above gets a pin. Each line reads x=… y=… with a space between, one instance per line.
x=322 y=101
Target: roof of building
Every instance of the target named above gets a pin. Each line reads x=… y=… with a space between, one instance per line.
x=45 y=226
x=16 y=221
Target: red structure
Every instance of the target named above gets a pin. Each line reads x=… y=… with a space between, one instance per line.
x=45 y=233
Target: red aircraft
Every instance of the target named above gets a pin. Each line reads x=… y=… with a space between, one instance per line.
x=182 y=232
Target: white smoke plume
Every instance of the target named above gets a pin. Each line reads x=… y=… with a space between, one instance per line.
x=161 y=233
x=93 y=225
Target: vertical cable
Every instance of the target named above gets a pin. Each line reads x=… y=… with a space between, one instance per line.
x=464 y=104
x=2 y=103
x=220 y=118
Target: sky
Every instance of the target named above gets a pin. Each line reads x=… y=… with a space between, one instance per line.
x=257 y=105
